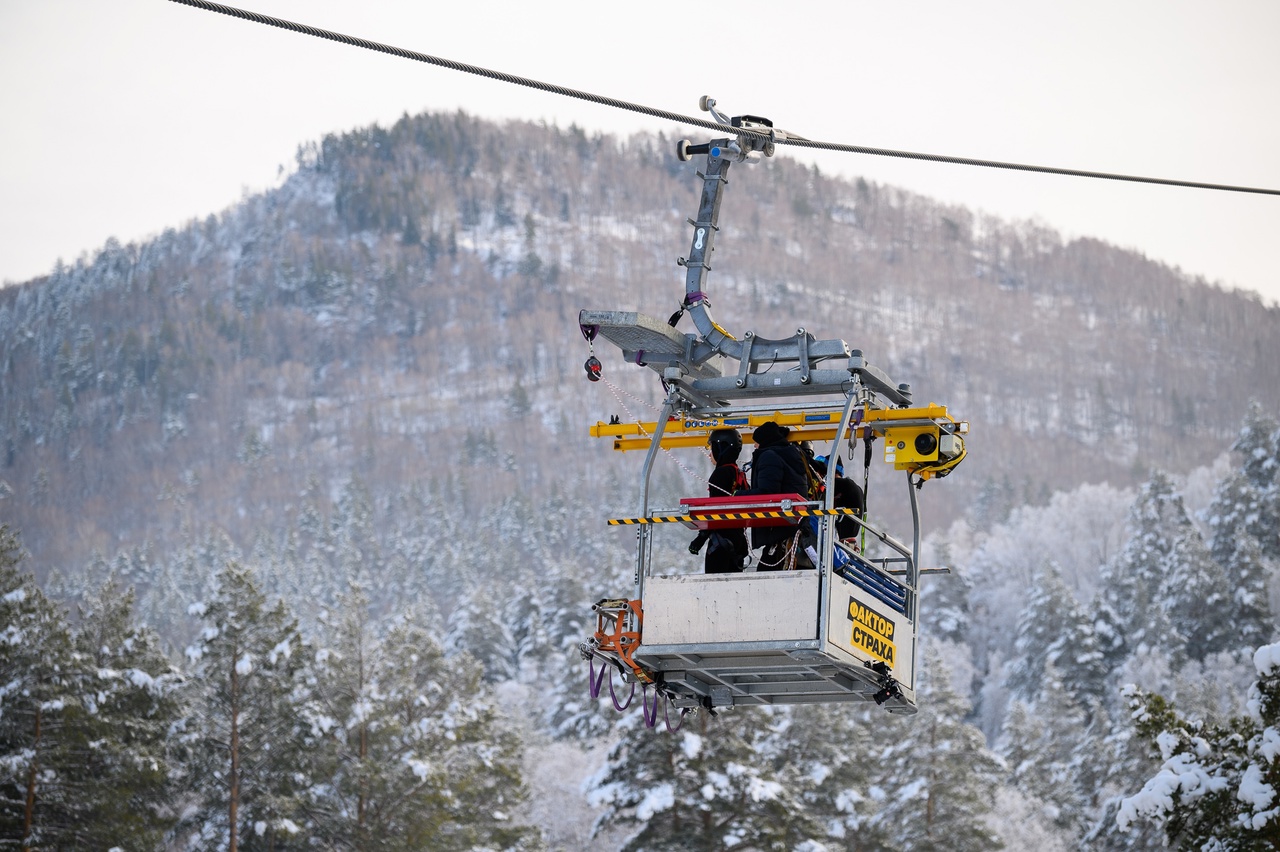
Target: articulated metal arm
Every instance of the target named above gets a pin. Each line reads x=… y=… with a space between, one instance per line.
x=693 y=364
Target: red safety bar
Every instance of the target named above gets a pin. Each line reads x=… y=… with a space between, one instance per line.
x=755 y=510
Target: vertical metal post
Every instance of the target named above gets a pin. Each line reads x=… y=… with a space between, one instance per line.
x=913 y=578
x=913 y=564
x=827 y=524
x=646 y=530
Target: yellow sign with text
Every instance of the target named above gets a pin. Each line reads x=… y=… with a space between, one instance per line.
x=872 y=632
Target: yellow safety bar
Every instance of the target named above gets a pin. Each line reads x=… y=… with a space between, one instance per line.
x=805 y=426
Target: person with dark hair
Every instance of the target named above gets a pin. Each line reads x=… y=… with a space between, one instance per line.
x=778 y=467
x=727 y=551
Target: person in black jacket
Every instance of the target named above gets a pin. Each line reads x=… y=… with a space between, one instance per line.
x=728 y=550
x=777 y=467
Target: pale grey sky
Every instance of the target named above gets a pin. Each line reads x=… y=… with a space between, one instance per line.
x=123 y=118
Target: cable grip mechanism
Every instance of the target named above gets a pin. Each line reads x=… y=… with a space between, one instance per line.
x=748 y=147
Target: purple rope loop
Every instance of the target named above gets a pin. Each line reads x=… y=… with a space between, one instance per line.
x=666 y=717
x=630 y=696
x=650 y=715
x=594 y=682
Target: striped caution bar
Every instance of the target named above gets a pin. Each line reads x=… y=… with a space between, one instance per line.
x=729 y=516
x=652 y=519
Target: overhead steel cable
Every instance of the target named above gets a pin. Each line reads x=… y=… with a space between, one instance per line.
x=779 y=138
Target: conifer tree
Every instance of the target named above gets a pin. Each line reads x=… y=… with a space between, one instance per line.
x=823 y=753
x=85 y=718
x=1053 y=629
x=1217 y=786
x=1126 y=756
x=356 y=552
x=1196 y=597
x=415 y=755
x=707 y=786
x=39 y=710
x=1235 y=547
x=249 y=762
x=132 y=695
x=1154 y=593
x=938 y=777
x=477 y=627
x=1259 y=445
x=1049 y=749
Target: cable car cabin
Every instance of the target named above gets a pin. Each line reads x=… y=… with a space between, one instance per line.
x=845 y=630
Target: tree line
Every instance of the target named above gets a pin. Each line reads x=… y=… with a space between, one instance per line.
x=350 y=736
x=411 y=284
x=360 y=722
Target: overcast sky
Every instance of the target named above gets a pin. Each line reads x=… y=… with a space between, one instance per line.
x=123 y=118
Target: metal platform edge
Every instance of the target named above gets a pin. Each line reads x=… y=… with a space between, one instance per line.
x=765 y=673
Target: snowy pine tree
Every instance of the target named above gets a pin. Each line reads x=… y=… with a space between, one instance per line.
x=1236 y=507
x=1162 y=591
x=414 y=754
x=85 y=718
x=1126 y=758
x=1259 y=445
x=1055 y=630
x=937 y=777
x=39 y=711
x=477 y=627
x=1196 y=596
x=822 y=753
x=132 y=695
x=1217 y=786
x=708 y=786
x=1049 y=749
x=249 y=761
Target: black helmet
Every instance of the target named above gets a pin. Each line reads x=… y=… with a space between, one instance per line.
x=725 y=444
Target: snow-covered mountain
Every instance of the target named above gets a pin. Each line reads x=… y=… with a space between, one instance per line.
x=367 y=385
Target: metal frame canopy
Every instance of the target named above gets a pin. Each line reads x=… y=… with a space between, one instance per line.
x=845 y=631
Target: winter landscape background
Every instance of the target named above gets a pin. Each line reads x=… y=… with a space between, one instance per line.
x=319 y=465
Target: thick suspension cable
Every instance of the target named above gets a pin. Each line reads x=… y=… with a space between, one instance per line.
x=780 y=139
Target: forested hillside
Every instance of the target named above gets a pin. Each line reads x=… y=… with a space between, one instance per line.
x=405 y=306
x=335 y=441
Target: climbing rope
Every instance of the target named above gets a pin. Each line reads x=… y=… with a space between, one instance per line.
x=594 y=681
x=595 y=685
x=617 y=705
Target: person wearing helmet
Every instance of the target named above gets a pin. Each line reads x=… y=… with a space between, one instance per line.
x=727 y=551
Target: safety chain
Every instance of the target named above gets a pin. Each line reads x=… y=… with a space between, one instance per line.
x=617 y=395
